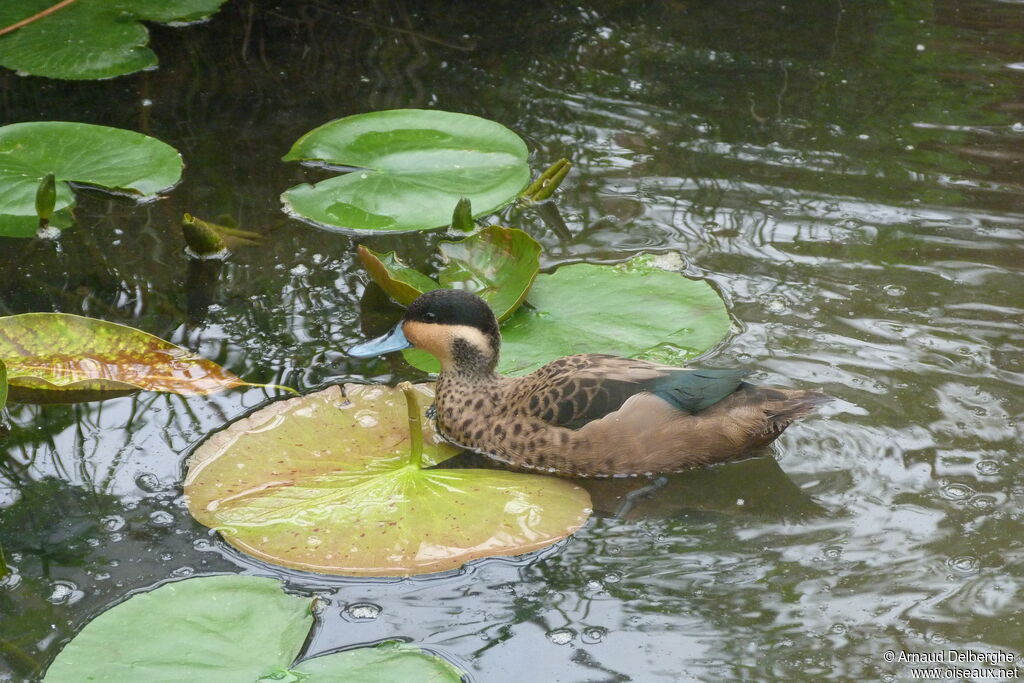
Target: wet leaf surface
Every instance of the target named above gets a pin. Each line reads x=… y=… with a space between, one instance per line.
x=413 y=167
x=62 y=357
x=498 y=264
x=109 y=38
x=585 y=308
x=324 y=483
x=118 y=160
x=224 y=629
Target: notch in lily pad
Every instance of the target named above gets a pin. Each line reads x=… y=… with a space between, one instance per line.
x=227 y=628
x=341 y=482
x=407 y=168
x=112 y=159
x=498 y=264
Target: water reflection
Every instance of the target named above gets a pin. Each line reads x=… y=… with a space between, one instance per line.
x=846 y=174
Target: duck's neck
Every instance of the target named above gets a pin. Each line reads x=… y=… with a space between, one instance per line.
x=470 y=364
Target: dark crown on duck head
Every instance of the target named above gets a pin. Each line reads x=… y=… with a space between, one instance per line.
x=455 y=307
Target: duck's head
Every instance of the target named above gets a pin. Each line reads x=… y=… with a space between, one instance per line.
x=455 y=326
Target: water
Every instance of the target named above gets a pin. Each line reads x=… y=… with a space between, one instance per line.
x=847 y=175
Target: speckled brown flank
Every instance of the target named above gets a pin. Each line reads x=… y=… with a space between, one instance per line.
x=599 y=415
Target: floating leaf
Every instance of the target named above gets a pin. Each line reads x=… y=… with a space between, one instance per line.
x=326 y=483
x=218 y=629
x=89 y=39
x=632 y=309
x=111 y=158
x=389 y=662
x=68 y=357
x=402 y=283
x=499 y=264
x=416 y=165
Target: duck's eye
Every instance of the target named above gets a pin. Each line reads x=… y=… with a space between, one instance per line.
x=430 y=315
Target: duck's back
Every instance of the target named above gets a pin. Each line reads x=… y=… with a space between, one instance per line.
x=596 y=415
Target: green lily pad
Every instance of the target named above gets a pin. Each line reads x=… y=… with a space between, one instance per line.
x=225 y=629
x=61 y=357
x=414 y=166
x=498 y=264
x=118 y=160
x=402 y=283
x=325 y=483
x=633 y=309
x=89 y=39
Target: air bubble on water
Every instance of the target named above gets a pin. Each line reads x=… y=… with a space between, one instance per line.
x=561 y=636
x=956 y=492
x=299 y=270
x=593 y=635
x=149 y=483
x=64 y=593
x=361 y=611
x=184 y=571
x=964 y=564
x=987 y=467
x=113 y=522
x=161 y=518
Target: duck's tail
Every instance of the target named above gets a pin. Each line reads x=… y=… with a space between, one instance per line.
x=783 y=406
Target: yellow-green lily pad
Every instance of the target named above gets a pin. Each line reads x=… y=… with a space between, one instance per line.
x=327 y=483
x=60 y=357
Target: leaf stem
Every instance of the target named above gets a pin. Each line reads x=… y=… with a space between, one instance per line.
x=35 y=17
x=415 y=424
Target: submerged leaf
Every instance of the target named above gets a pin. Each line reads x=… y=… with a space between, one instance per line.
x=324 y=483
x=225 y=629
x=71 y=357
x=632 y=309
x=415 y=166
x=119 y=160
x=108 y=38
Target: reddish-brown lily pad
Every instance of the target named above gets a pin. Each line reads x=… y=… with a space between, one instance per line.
x=327 y=483
x=63 y=357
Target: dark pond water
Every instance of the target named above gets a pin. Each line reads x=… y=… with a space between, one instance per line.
x=850 y=176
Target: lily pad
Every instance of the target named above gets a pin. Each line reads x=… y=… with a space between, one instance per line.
x=225 y=629
x=326 y=483
x=633 y=309
x=402 y=283
x=498 y=264
x=89 y=39
x=110 y=158
x=65 y=358
x=414 y=166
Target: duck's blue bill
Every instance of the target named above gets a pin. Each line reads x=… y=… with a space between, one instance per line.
x=392 y=341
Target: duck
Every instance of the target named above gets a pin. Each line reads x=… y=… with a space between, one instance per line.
x=586 y=415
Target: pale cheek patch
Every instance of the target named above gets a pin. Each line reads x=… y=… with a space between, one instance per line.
x=438 y=340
